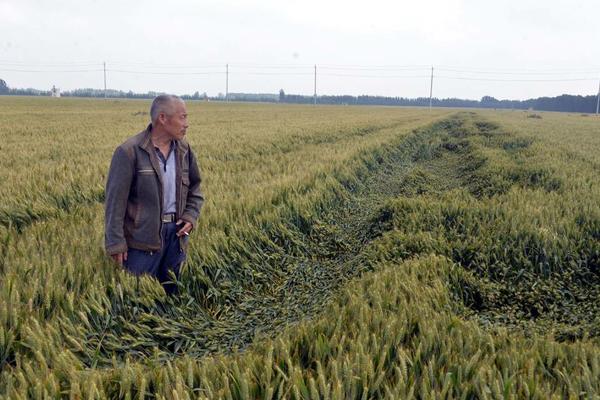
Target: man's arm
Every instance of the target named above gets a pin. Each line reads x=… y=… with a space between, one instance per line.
x=195 y=198
x=118 y=184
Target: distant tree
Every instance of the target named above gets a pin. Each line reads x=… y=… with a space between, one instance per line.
x=281 y=96
x=489 y=101
x=3 y=87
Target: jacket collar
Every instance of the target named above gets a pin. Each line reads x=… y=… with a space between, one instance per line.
x=146 y=141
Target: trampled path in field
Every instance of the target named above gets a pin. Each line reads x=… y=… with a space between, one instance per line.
x=333 y=254
x=335 y=248
x=337 y=243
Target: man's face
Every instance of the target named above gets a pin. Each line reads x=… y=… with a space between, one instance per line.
x=175 y=123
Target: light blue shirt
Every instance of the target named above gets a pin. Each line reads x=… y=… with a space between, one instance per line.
x=167 y=168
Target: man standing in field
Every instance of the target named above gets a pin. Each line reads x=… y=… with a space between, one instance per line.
x=153 y=196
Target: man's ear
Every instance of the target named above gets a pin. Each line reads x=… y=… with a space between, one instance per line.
x=162 y=118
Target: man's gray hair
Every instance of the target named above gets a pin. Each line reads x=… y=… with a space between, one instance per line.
x=162 y=104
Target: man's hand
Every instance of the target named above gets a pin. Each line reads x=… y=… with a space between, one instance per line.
x=119 y=258
x=185 y=229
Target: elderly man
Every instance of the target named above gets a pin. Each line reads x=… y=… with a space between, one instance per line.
x=153 y=196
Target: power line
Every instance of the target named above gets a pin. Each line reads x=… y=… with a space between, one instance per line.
x=391 y=67
x=519 y=70
x=215 y=65
x=248 y=66
x=174 y=66
x=48 y=65
x=374 y=68
x=516 y=73
x=165 y=73
x=375 y=76
x=515 y=80
x=275 y=73
x=150 y=70
x=326 y=70
x=46 y=71
x=379 y=76
x=258 y=65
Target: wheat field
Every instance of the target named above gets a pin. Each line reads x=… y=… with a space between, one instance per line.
x=342 y=252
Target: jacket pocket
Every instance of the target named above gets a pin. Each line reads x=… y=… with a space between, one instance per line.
x=132 y=217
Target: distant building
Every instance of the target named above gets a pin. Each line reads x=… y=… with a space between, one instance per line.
x=55 y=92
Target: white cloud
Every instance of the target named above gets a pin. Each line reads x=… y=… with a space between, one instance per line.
x=464 y=33
x=383 y=16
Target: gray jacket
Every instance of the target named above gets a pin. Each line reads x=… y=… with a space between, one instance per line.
x=134 y=194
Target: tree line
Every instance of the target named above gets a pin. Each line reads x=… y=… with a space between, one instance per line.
x=565 y=102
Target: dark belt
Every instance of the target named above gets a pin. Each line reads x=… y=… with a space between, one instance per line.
x=170 y=217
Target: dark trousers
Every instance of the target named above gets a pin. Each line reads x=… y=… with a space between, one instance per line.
x=159 y=263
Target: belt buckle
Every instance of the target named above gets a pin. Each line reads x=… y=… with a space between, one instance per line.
x=166 y=218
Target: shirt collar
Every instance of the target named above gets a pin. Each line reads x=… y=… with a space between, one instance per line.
x=171 y=147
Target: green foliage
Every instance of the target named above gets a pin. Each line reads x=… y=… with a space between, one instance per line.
x=343 y=253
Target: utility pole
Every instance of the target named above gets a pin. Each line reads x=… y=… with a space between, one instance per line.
x=431 y=88
x=315 y=95
x=598 y=100
x=227 y=82
x=104 y=79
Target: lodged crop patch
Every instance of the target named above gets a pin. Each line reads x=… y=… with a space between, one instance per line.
x=344 y=253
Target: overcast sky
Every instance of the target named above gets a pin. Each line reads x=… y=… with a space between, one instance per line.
x=376 y=47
